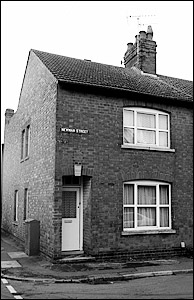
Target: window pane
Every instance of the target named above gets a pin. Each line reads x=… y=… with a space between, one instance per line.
x=128 y=218
x=146 y=217
x=16 y=206
x=146 y=195
x=128 y=194
x=164 y=194
x=69 y=203
x=22 y=146
x=164 y=217
x=163 y=122
x=25 y=204
x=146 y=120
x=128 y=118
x=128 y=135
x=24 y=210
x=146 y=137
x=27 y=140
x=163 y=139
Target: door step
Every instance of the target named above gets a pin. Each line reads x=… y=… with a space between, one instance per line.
x=76 y=259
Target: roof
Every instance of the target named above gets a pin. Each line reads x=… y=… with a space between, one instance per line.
x=73 y=70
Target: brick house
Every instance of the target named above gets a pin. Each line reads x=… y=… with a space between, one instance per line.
x=100 y=155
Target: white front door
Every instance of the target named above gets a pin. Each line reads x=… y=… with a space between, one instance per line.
x=71 y=203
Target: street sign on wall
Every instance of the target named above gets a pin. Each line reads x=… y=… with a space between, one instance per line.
x=75 y=130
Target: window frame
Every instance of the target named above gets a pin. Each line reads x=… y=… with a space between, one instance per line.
x=157 y=130
x=16 y=204
x=25 y=143
x=26 y=203
x=156 y=184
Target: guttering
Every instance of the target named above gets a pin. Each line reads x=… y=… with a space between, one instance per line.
x=119 y=89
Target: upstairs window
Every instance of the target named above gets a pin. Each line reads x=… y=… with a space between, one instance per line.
x=27 y=140
x=146 y=127
x=25 y=143
x=146 y=205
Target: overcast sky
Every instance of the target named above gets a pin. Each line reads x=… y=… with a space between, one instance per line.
x=96 y=30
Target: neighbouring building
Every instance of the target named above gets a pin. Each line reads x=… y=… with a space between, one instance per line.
x=101 y=155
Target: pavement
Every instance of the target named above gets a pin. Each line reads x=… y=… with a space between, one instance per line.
x=17 y=265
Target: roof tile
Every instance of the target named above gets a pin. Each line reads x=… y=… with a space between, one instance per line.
x=86 y=72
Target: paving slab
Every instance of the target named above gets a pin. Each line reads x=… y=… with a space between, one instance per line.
x=17 y=265
x=6 y=264
x=17 y=254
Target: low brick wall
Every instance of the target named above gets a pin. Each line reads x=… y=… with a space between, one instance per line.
x=141 y=255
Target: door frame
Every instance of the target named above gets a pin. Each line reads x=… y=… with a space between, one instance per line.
x=80 y=197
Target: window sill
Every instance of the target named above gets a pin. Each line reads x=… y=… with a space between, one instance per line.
x=156 y=231
x=147 y=148
x=15 y=223
x=24 y=159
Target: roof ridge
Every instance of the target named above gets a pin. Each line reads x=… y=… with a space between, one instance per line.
x=80 y=59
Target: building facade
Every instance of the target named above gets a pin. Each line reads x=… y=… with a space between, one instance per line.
x=100 y=155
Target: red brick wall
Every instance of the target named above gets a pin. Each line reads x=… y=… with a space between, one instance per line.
x=101 y=152
x=37 y=106
x=87 y=221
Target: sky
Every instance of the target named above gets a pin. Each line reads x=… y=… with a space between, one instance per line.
x=95 y=30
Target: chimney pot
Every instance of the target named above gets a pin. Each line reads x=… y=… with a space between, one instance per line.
x=142 y=34
x=136 y=38
x=129 y=45
x=8 y=114
x=149 y=33
x=149 y=30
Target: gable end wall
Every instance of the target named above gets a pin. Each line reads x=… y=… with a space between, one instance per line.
x=37 y=106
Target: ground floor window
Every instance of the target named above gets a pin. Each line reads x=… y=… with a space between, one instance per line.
x=25 y=204
x=16 y=206
x=146 y=205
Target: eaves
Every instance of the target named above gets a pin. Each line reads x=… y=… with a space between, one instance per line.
x=118 y=91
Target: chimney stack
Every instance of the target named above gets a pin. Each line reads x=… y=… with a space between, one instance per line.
x=8 y=114
x=142 y=54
